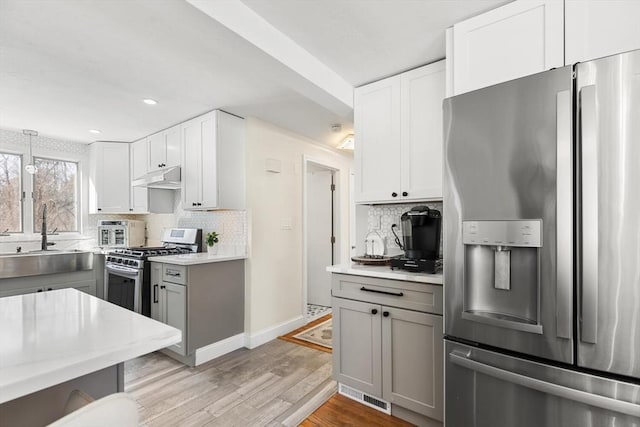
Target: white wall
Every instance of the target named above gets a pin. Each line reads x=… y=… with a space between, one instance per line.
x=274 y=269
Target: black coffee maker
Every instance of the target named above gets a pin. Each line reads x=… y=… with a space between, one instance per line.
x=421 y=229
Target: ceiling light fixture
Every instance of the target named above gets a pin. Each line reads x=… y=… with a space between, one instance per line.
x=30 y=167
x=96 y=131
x=150 y=101
x=347 y=143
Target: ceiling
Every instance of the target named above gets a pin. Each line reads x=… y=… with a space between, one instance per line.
x=67 y=66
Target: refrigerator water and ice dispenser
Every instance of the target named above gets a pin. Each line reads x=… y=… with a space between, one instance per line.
x=502 y=273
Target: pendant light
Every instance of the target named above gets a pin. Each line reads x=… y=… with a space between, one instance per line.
x=30 y=167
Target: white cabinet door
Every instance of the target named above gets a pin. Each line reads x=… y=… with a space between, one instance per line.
x=377 y=145
x=139 y=164
x=421 y=117
x=521 y=38
x=157 y=311
x=110 y=179
x=157 y=150
x=173 y=145
x=191 y=163
x=209 y=160
x=165 y=147
x=597 y=28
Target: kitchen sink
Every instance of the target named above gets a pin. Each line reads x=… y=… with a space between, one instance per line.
x=38 y=262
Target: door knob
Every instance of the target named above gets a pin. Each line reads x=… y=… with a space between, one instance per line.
x=374 y=311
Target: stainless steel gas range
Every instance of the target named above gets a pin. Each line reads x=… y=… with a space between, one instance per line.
x=127 y=271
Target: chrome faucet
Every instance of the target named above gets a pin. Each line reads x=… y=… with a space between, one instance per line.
x=44 y=243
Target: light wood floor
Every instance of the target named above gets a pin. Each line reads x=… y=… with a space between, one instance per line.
x=259 y=387
x=271 y=385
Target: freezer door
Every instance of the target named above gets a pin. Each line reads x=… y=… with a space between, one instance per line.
x=608 y=92
x=508 y=203
x=488 y=389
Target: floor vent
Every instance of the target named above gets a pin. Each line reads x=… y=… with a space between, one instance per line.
x=365 y=399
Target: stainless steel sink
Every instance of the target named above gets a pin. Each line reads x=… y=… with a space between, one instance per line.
x=35 y=263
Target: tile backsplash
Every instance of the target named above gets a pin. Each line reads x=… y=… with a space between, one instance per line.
x=380 y=218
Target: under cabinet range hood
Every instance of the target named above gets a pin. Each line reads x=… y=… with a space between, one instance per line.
x=167 y=178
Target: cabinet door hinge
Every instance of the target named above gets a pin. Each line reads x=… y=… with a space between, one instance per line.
x=333 y=187
x=333 y=239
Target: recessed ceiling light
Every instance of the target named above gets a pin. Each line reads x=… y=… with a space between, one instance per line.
x=96 y=131
x=150 y=101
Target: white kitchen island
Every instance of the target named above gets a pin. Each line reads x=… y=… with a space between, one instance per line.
x=57 y=341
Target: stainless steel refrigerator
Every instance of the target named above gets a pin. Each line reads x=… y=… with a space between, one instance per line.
x=542 y=249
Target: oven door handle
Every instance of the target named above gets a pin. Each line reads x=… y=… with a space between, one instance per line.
x=131 y=273
x=462 y=359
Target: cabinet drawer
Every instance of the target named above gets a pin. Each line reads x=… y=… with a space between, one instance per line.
x=410 y=295
x=174 y=273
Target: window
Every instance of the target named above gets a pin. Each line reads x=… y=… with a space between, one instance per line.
x=10 y=193
x=56 y=185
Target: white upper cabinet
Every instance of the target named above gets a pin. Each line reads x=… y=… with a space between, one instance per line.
x=377 y=141
x=139 y=166
x=398 y=130
x=597 y=28
x=109 y=181
x=213 y=174
x=521 y=38
x=421 y=118
x=164 y=148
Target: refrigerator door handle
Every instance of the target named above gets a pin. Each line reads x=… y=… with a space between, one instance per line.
x=589 y=141
x=462 y=359
x=564 y=223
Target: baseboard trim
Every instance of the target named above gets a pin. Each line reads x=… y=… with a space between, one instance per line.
x=265 y=335
x=220 y=348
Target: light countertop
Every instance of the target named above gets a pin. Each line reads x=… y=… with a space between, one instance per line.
x=385 y=272
x=198 y=258
x=52 y=337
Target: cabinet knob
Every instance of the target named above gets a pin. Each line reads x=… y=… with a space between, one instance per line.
x=385 y=313
x=405 y=194
x=130 y=209
x=39 y=290
x=99 y=209
x=49 y=289
x=199 y=204
x=162 y=287
x=394 y=194
x=374 y=311
x=193 y=204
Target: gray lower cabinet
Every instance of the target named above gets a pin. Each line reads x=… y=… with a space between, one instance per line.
x=204 y=301
x=412 y=361
x=82 y=280
x=357 y=344
x=386 y=350
x=169 y=305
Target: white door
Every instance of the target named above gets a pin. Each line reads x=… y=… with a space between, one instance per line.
x=319 y=233
x=521 y=38
x=597 y=28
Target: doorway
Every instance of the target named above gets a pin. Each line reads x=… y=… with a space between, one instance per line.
x=320 y=236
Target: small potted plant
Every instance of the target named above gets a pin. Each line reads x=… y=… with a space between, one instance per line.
x=212 y=239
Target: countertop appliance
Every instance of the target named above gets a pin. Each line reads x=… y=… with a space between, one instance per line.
x=127 y=273
x=421 y=229
x=542 y=249
x=121 y=233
